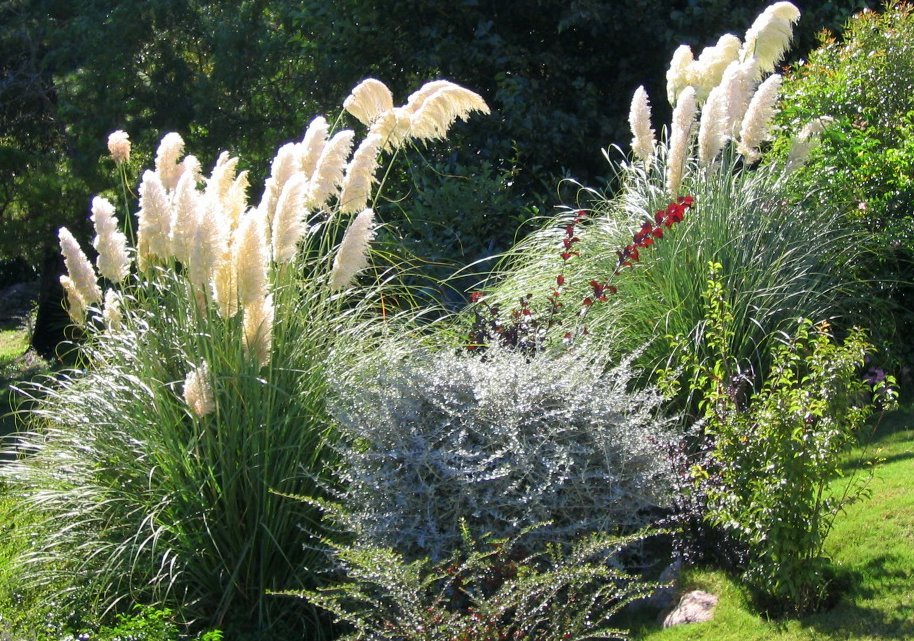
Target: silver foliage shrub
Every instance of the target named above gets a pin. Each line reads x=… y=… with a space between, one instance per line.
x=501 y=442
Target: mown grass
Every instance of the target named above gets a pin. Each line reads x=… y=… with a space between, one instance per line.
x=872 y=545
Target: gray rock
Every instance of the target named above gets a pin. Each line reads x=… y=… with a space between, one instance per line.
x=694 y=607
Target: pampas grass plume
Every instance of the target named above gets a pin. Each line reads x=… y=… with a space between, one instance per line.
x=769 y=36
x=252 y=260
x=112 y=311
x=435 y=114
x=166 y=162
x=352 y=255
x=209 y=244
x=805 y=141
x=393 y=128
x=185 y=215
x=678 y=75
x=762 y=107
x=154 y=226
x=313 y=144
x=360 y=175
x=330 y=169
x=79 y=268
x=368 y=100
x=639 y=117
x=258 y=329
x=198 y=391
x=711 y=64
x=119 y=146
x=680 y=139
x=711 y=130
x=76 y=305
x=289 y=221
x=111 y=244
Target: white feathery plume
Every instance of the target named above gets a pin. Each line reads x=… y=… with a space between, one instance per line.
x=112 y=311
x=393 y=128
x=119 y=146
x=185 y=215
x=769 y=36
x=805 y=141
x=236 y=199
x=711 y=64
x=286 y=163
x=258 y=329
x=222 y=177
x=209 y=244
x=79 y=269
x=678 y=76
x=289 y=221
x=368 y=100
x=711 y=130
x=738 y=85
x=76 y=306
x=313 y=144
x=328 y=175
x=418 y=97
x=110 y=243
x=352 y=254
x=154 y=226
x=754 y=129
x=680 y=139
x=436 y=113
x=360 y=175
x=170 y=150
x=189 y=166
x=639 y=117
x=198 y=391
x=252 y=258
x=225 y=280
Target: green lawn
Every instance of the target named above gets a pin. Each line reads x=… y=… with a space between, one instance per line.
x=873 y=543
x=16 y=364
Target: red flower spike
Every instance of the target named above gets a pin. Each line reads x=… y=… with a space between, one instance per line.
x=475 y=296
x=566 y=255
x=658 y=232
x=647 y=242
x=658 y=217
x=560 y=280
x=634 y=253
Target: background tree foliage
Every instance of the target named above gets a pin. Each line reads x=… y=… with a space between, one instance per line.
x=249 y=75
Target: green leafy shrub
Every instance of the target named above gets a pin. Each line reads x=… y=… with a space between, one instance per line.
x=864 y=85
x=773 y=453
x=486 y=590
x=502 y=442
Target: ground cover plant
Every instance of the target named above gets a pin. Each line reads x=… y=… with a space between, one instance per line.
x=202 y=392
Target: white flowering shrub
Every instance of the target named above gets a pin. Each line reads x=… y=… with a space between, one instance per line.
x=500 y=441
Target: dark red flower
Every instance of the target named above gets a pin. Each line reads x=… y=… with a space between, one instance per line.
x=560 y=280
x=475 y=296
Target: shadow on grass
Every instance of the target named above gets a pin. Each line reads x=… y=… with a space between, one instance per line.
x=885 y=578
